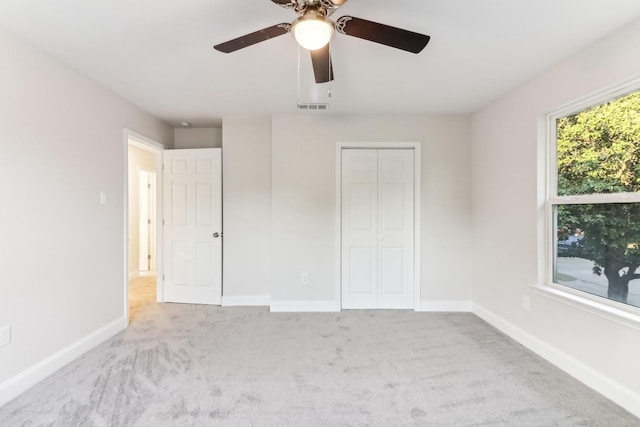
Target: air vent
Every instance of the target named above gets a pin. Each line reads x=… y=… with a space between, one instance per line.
x=312 y=107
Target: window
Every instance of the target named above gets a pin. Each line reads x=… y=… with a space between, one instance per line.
x=594 y=198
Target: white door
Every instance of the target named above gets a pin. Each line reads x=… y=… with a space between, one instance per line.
x=192 y=209
x=377 y=228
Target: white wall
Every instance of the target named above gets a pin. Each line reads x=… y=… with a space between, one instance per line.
x=246 y=169
x=303 y=201
x=280 y=194
x=139 y=160
x=505 y=221
x=197 y=138
x=61 y=252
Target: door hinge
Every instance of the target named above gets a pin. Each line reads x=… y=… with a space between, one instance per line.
x=148 y=185
x=163 y=222
x=149 y=221
x=163 y=277
x=149 y=257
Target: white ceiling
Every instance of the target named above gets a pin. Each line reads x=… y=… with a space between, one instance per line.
x=159 y=55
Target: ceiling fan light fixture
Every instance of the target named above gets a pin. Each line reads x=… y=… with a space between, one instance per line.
x=312 y=30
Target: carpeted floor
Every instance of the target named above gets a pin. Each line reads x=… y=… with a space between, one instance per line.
x=189 y=365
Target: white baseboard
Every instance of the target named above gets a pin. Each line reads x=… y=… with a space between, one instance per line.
x=618 y=393
x=446 y=306
x=245 y=300
x=304 y=306
x=19 y=383
x=147 y=273
x=133 y=275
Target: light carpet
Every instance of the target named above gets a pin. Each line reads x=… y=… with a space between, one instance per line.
x=191 y=365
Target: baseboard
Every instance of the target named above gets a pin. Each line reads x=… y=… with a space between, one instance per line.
x=19 y=383
x=332 y=306
x=618 y=393
x=304 y=306
x=133 y=275
x=446 y=306
x=245 y=300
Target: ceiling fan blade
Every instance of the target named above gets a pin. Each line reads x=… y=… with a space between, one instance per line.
x=338 y=2
x=289 y=4
x=321 y=60
x=383 y=34
x=253 y=38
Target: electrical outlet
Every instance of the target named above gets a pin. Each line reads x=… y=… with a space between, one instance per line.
x=526 y=302
x=304 y=278
x=5 y=335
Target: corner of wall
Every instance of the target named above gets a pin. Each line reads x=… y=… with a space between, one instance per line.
x=19 y=383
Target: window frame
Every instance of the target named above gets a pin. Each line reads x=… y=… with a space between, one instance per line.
x=603 y=306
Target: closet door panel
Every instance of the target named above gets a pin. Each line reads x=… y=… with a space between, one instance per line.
x=395 y=228
x=359 y=228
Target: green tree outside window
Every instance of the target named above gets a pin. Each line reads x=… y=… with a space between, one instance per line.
x=598 y=152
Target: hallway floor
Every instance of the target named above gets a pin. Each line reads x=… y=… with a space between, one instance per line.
x=142 y=292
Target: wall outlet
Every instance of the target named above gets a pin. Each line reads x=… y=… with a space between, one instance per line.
x=526 y=302
x=304 y=278
x=5 y=335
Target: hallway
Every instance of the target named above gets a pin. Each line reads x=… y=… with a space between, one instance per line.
x=142 y=292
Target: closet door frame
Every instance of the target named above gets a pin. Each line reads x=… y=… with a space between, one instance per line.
x=415 y=146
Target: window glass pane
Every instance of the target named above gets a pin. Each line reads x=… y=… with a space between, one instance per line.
x=598 y=150
x=598 y=250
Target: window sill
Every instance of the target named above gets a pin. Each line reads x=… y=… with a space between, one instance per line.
x=621 y=316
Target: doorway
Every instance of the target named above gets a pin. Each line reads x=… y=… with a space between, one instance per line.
x=379 y=217
x=147 y=222
x=144 y=160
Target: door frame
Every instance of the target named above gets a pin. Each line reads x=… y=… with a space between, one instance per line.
x=415 y=146
x=140 y=141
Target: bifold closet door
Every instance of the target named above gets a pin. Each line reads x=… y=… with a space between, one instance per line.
x=377 y=228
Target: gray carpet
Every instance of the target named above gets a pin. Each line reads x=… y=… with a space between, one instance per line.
x=186 y=365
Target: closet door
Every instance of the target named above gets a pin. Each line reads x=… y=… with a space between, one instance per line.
x=395 y=229
x=359 y=228
x=377 y=228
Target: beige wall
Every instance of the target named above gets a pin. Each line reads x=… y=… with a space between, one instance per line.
x=197 y=138
x=283 y=185
x=508 y=180
x=61 y=251
x=246 y=171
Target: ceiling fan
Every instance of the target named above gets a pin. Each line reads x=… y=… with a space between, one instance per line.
x=313 y=29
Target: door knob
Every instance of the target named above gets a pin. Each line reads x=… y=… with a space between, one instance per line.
x=216 y=235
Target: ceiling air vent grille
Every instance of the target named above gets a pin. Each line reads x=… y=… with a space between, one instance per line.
x=312 y=107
